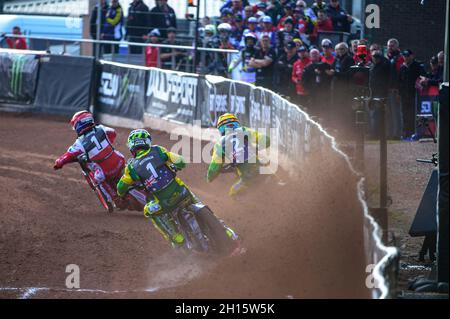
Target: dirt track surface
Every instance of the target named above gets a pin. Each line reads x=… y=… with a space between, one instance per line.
x=302 y=240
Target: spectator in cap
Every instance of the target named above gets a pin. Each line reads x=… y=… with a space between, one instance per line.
x=226 y=16
x=264 y=63
x=316 y=81
x=283 y=70
x=341 y=19
x=435 y=76
x=297 y=74
x=171 y=59
x=252 y=26
x=287 y=34
x=151 y=52
x=327 y=51
x=268 y=30
x=394 y=101
x=409 y=72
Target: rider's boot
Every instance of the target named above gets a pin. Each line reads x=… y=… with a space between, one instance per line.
x=163 y=223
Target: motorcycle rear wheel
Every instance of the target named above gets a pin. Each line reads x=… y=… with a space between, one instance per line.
x=215 y=231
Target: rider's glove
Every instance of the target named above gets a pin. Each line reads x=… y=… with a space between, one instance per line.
x=58 y=164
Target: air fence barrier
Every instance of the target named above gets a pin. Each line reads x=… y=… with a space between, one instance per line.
x=135 y=96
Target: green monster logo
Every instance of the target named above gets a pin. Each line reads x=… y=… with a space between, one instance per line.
x=124 y=93
x=18 y=63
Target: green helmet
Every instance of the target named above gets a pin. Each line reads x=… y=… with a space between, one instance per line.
x=139 y=138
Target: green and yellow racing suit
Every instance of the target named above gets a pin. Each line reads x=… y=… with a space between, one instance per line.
x=152 y=169
x=238 y=148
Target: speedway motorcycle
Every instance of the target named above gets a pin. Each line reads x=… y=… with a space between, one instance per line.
x=135 y=199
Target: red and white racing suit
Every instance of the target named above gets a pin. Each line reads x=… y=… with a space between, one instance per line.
x=104 y=161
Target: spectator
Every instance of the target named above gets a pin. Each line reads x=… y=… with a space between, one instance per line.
x=435 y=76
x=327 y=51
x=260 y=7
x=163 y=17
x=441 y=58
x=228 y=4
x=223 y=59
x=305 y=26
x=394 y=101
x=268 y=30
x=379 y=76
x=309 y=12
x=374 y=47
x=341 y=94
x=248 y=12
x=112 y=27
x=288 y=14
x=287 y=34
x=264 y=62
x=226 y=16
x=237 y=31
x=324 y=23
x=409 y=72
x=341 y=19
x=274 y=10
x=297 y=74
x=353 y=47
x=283 y=70
x=318 y=5
x=151 y=53
x=250 y=52
x=171 y=59
x=316 y=81
x=209 y=40
x=16 y=43
x=94 y=17
x=237 y=7
x=137 y=24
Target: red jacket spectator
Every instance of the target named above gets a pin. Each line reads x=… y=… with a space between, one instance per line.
x=324 y=25
x=297 y=73
x=16 y=43
x=328 y=59
x=151 y=56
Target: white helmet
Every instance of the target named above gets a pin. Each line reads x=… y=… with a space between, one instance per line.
x=211 y=28
x=224 y=27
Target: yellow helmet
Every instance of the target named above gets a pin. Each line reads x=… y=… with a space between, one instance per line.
x=226 y=119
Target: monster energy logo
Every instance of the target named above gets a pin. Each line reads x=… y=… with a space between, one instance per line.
x=18 y=63
x=123 y=94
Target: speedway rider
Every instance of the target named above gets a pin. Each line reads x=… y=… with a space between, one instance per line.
x=95 y=142
x=237 y=149
x=155 y=168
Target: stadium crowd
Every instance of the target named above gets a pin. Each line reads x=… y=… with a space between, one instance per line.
x=282 y=47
